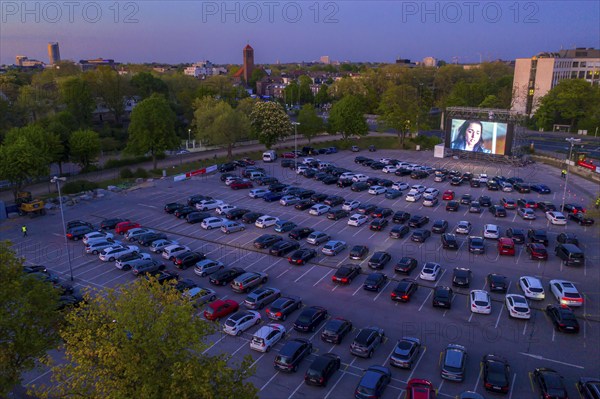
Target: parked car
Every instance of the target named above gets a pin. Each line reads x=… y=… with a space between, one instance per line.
x=367 y=340
x=322 y=369
x=292 y=353
x=373 y=383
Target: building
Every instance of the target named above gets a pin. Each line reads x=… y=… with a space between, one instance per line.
x=24 y=62
x=53 y=53
x=20 y=59
x=87 y=65
x=202 y=69
x=325 y=60
x=430 y=61
x=534 y=77
x=246 y=70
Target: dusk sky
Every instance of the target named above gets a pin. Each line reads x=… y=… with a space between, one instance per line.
x=288 y=31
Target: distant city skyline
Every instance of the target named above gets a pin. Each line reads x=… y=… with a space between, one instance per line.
x=381 y=31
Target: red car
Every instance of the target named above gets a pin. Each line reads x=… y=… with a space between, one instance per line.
x=506 y=246
x=249 y=161
x=220 y=308
x=448 y=195
x=236 y=185
x=537 y=251
x=288 y=155
x=124 y=227
x=420 y=389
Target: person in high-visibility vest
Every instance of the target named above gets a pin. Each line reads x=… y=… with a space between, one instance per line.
x=563 y=173
x=24 y=230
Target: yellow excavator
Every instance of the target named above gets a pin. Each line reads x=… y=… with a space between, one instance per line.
x=28 y=205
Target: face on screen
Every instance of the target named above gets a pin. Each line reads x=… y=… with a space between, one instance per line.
x=478 y=136
x=473 y=134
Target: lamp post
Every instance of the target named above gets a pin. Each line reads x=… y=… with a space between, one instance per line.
x=57 y=180
x=295 y=149
x=572 y=141
x=189 y=137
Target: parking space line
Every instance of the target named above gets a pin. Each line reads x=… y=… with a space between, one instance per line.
x=478 y=378
x=499 y=314
x=425 y=301
x=512 y=386
x=284 y=272
x=295 y=390
x=268 y=382
x=216 y=342
x=326 y=274
x=355 y=292
x=381 y=292
x=304 y=274
x=338 y=381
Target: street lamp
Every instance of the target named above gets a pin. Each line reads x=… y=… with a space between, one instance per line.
x=572 y=141
x=189 y=138
x=295 y=149
x=57 y=180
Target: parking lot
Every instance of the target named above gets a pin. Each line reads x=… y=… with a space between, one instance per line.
x=525 y=344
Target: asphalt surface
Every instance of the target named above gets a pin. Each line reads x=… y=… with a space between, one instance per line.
x=525 y=344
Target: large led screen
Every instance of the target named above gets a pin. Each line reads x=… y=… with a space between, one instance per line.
x=480 y=136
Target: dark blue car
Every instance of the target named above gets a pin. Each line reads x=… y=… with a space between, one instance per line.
x=541 y=188
x=271 y=197
x=373 y=383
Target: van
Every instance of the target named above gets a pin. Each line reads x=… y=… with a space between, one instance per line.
x=269 y=156
x=506 y=246
x=454 y=360
x=255 y=174
x=245 y=282
x=359 y=177
x=570 y=254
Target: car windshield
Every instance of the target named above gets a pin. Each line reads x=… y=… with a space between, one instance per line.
x=230 y=323
x=283 y=359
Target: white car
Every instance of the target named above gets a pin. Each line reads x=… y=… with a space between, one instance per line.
x=350 y=205
x=483 y=178
x=566 y=293
x=527 y=214
x=300 y=169
x=240 y=321
x=418 y=187
x=112 y=253
x=430 y=201
x=357 y=219
x=266 y=337
x=158 y=245
x=126 y=262
x=172 y=251
x=211 y=223
x=430 y=272
x=360 y=177
x=432 y=192
x=413 y=196
x=97 y=235
x=346 y=176
x=556 y=218
x=517 y=306
x=223 y=209
x=400 y=186
x=376 y=190
x=208 y=205
x=307 y=161
x=289 y=200
x=491 y=231
x=480 y=302
x=463 y=227
x=231 y=179
x=532 y=288
x=506 y=187
x=319 y=209
x=266 y=221
x=132 y=234
x=385 y=160
x=258 y=192
x=389 y=169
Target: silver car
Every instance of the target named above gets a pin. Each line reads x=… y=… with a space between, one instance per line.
x=133 y=234
x=261 y=297
x=147 y=266
x=317 y=238
x=207 y=266
x=158 y=245
x=229 y=227
x=200 y=295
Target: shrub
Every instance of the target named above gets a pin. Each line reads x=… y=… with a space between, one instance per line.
x=126 y=173
x=141 y=172
x=116 y=163
x=77 y=186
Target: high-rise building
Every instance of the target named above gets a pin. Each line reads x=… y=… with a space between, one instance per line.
x=53 y=53
x=430 y=61
x=20 y=59
x=325 y=59
x=534 y=77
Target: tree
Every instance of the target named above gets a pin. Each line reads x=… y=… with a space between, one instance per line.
x=218 y=123
x=399 y=109
x=322 y=96
x=305 y=93
x=84 y=146
x=347 y=117
x=28 y=319
x=257 y=74
x=112 y=88
x=311 y=123
x=145 y=341
x=76 y=94
x=270 y=122
x=145 y=84
x=61 y=125
x=152 y=128
x=291 y=94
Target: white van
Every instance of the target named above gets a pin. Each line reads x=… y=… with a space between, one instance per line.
x=269 y=156
x=360 y=177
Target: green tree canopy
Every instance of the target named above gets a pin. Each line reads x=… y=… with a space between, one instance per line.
x=304 y=91
x=145 y=84
x=29 y=319
x=144 y=341
x=322 y=96
x=111 y=87
x=76 y=94
x=399 y=109
x=152 y=128
x=311 y=123
x=84 y=146
x=270 y=122
x=347 y=117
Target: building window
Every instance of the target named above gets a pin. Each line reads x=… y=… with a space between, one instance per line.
x=589 y=75
x=573 y=74
x=575 y=64
x=581 y=74
x=582 y=64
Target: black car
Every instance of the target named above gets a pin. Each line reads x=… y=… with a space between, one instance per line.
x=378 y=224
x=546 y=206
x=236 y=214
x=109 y=224
x=517 y=235
x=366 y=209
x=300 y=232
x=251 y=217
x=496 y=374
x=498 y=211
x=379 y=260
x=310 y=318
x=171 y=207
x=452 y=206
x=266 y=240
x=277 y=187
x=227 y=167
x=475 y=207
x=442 y=297
x=194 y=199
x=164 y=276
x=303 y=205
x=188 y=259
x=225 y=276
x=476 y=245
x=405 y=265
x=401 y=217
x=419 y=174
x=466 y=199
x=581 y=219
x=567 y=238
x=342 y=183
x=329 y=179
x=302 y=256
x=382 y=213
x=393 y=194
x=492 y=186
x=572 y=208
x=375 y=282
x=485 y=201
x=420 y=235
x=292 y=353
x=359 y=186
x=335 y=330
x=197 y=217
x=360 y=159
x=337 y=214
x=317 y=198
x=321 y=369
x=304 y=194
x=385 y=183
x=399 y=231
x=377 y=166
x=563 y=318
x=449 y=241
x=523 y=188
x=461 y=277
x=589 y=388
x=417 y=221
x=539 y=236
x=550 y=383
x=439 y=226
x=404 y=290
x=358 y=251
x=475 y=183
x=497 y=282
x=147 y=239
x=282 y=307
x=283 y=247
x=346 y=273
